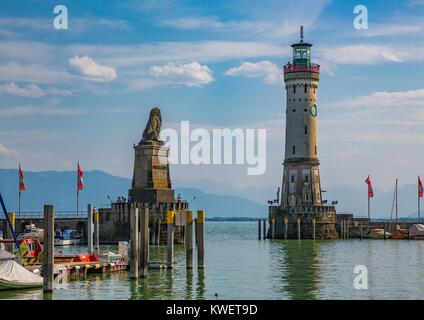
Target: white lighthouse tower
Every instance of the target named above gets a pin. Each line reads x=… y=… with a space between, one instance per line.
x=301 y=213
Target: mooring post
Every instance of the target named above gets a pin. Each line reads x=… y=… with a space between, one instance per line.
x=264 y=220
x=144 y=242
x=342 y=229
x=384 y=231
x=158 y=233
x=360 y=231
x=195 y=231
x=313 y=228
x=170 y=239
x=90 y=228
x=347 y=229
x=97 y=222
x=134 y=241
x=286 y=222
x=273 y=228
x=259 y=229
x=189 y=239
x=298 y=228
x=201 y=239
x=48 y=264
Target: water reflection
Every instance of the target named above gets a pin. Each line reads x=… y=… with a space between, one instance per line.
x=300 y=270
x=200 y=288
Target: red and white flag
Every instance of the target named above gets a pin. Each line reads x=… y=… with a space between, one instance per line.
x=21 y=179
x=369 y=183
x=80 y=182
x=420 y=188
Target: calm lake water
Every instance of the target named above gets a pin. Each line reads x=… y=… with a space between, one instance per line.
x=238 y=266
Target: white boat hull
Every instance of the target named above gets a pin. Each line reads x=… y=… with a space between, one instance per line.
x=67 y=242
x=13 y=285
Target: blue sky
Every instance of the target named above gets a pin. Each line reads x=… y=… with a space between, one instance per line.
x=85 y=93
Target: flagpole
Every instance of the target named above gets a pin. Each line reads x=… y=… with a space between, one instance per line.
x=19 y=207
x=77 y=201
x=418 y=207
x=369 y=216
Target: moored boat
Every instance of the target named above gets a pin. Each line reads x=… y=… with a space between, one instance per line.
x=14 y=276
x=379 y=233
x=66 y=237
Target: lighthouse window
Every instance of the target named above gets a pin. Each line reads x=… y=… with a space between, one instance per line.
x=306 y=110
x=294 y=110
x=292 y=179
x=315 y=149
x=293 y=150
x=306 y=129
x=306 y=178
x=294 y=89
x=306 y=89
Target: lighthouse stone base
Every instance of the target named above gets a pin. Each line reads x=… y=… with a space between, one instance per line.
x=324 y=218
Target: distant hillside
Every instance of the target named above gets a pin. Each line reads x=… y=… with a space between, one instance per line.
x=59 y=189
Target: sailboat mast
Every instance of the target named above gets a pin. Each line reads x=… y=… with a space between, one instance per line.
x=396 y=199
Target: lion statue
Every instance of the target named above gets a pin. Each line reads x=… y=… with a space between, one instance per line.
x=153 y=126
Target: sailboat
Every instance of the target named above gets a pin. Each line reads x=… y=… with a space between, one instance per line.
x=398 y=233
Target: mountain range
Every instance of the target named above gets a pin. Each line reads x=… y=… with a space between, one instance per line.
x=59 y=188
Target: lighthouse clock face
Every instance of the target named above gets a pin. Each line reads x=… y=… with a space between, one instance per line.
x=314 y=110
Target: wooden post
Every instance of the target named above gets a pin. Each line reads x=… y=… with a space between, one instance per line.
x=195 y=231
x=259 y=229
x=90 y=228
x=384 y=231
x=313 y=228
x=48 y=263
x=298 y=228
x=360 y=231
x=342 y=229
x=96 y=224
x=134 y=241
x=273 y=228
x=201 y=239
x=286 y=222
x=189 y=239
x=158 y=235
x=170 y=239
x=144 y=242
x=264 y=222
x=347 y=229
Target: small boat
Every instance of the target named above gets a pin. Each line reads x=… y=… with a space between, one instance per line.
x=31 y=232
x=14 y=276
x=416 y=231
x=66 y=237
x=399 y=233
x=378 y=233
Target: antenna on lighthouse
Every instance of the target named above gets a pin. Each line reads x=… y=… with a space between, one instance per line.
x=301 y=33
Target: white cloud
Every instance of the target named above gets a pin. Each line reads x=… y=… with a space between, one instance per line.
x=21 y=111
x=387 y=99
x=92 y=70
x=191 y=74
x=363 y=54
x=379 y=30
x=6 y=152
x=30 y=90
x=213 y=24
x=266 y=69
x=32 y=73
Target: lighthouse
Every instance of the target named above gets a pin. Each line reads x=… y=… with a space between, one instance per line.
x=301 y=212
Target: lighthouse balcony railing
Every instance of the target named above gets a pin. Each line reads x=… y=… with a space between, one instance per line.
x=292 y=68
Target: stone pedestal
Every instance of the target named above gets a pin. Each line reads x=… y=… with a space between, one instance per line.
x=151 y=180
x=323 y=217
